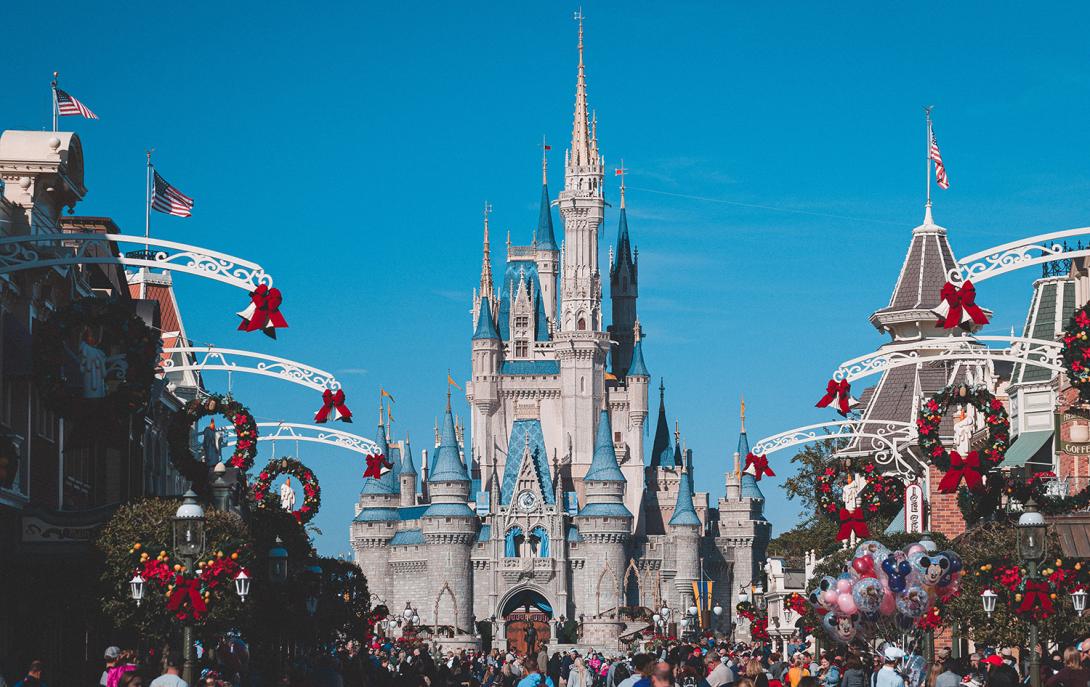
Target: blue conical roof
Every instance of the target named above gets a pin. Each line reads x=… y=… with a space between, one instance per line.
x=486 y=328
x=684 y=512
x=624 y=245
x=542 y=322
x=387 y=484
x=750 y=489
x=603 y=466
x=638 y=368
x=448 y=462
x=408 y=467
x=661 y=452
x=544 y=237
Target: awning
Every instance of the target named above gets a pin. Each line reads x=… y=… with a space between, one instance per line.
x=1025 y=447
x=897 y=525
x=1073 y=531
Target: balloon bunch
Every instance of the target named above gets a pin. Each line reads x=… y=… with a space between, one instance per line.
x=900 y=586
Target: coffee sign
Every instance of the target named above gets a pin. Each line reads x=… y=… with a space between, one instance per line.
x=1074 y=433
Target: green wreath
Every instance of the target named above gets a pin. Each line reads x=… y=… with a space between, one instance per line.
x=999 y=429
x=1076 y=351
x=881 y=495
x=1017 y=487
x=312 y=493
x=181 y=427
x=127 y=350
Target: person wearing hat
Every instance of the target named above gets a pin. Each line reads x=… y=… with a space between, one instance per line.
x=110 y=656
x=999 y=673
x=888 y=675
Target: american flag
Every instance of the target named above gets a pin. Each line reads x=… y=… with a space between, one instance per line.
x=67 y=105
x=170 y=200
x=940 y=169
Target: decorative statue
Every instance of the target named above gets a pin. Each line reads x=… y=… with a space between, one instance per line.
x=287 y=495
x=852 y=490
x=963 y=431
x=92 y=365
x=211 y=444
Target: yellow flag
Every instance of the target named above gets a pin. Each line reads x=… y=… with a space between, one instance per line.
x=387 y=394
x=450 y=381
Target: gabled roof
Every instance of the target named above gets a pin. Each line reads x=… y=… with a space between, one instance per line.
x=1051 y=308
x=448 y=461
x=526 y=433
x=603 y=465
x=684 y=512
x=486 y=328
x=516 y=271
x=544 y=237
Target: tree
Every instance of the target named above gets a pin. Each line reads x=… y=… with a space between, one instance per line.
x=815 y=532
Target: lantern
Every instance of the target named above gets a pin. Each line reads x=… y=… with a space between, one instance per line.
x=743 y=596
x=988 y=597
x=278 y=562
x=242 y=585
x=1078 y=600
x=189 y=527
x=718 y=610
x=408 y=612
x=136 y=586
x=692 y=610
x=1031 y=533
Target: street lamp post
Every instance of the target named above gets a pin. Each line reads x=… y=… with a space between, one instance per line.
x=189 y=544
x=1031 y=548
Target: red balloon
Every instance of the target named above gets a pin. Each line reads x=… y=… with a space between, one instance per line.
x=863 y=565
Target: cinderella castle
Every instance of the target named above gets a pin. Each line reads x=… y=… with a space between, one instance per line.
x=551 y=510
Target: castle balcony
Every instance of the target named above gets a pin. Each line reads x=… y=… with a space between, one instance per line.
x=537 y=570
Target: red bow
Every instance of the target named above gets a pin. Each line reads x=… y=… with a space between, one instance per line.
x=186 y=589
x=1036 y=596
x=263 y=312
x=333 y=403
x=757 y=465
x=851 y=522
x=967 y=468
x=377 y=466
x=958 y=306
x=841 y=392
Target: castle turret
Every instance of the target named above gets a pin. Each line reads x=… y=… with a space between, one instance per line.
x=376 y=522
x=685 y=532
x=407 y=476
x=450 y=528
x=604 y=523
x=547 y=255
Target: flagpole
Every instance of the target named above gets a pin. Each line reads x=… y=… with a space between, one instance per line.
x=53 y=88
x=927 y=156
x=147 y=222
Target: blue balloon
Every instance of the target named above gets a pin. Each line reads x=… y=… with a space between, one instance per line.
x=904 y=568
x=896 y=583
x=889 y=566
x=956 y=564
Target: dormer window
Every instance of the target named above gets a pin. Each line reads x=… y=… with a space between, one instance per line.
x=522 y=321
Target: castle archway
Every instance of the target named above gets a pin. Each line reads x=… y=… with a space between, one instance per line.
x=525 y=613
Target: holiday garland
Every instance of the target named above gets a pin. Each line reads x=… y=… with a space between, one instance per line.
x=181 y=427
x=881 y=495
x=1032 y=598
x=974 y=467
x=1076 y=351
x=312 y=493
x=122 y=346
x=188 y=592
x=976 y=506
x=758 y=622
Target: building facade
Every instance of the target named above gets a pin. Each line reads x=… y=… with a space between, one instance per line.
x=552 y=508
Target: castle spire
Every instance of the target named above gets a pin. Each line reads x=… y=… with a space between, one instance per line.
x=743 y=414
x=580 y=135
x=545 y=148
x=487 y=293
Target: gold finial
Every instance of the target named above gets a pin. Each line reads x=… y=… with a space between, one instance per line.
x=578 y=16
x=743 y=414
x=620 y=172
x=380 y=413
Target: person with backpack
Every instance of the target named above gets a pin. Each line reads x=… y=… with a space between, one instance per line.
x=534 y=678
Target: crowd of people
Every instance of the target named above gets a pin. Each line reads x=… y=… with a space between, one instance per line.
x=701 y=663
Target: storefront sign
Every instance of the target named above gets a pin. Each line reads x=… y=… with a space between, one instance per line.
x=1074 y=433
x=38 y=531
x=914 y=508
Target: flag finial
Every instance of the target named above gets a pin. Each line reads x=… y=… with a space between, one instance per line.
x=743 y=414
x=545 y=148
x=620 y=172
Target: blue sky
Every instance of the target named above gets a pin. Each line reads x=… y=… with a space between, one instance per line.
x=776 y=170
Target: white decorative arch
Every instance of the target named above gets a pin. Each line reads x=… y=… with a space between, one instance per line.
x=28 y=252
x=291 y=431
x=607 y=569
x=1025 y=252
x=197 y=358
x=888 y=438
x=1022 y=350
x=454 y=604
x=515 y=591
